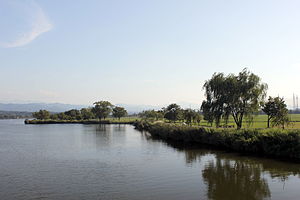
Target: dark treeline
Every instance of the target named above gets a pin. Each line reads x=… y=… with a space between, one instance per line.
x=14 y=115
x=100 y=110
x=173 y=113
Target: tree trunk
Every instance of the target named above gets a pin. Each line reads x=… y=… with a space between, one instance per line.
x=268 y=122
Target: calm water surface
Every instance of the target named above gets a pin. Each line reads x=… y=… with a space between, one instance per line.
x=74 y=161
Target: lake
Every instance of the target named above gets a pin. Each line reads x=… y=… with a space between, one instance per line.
x=76 y=161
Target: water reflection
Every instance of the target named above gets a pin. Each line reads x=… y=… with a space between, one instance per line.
x=232 y=176
x=102 y=129
x=104 y=136
x=228 y=179
x=119 y=128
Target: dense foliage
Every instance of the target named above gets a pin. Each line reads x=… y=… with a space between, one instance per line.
x=277 y=112
x=119 y=112
x=42 y=114
x=236 y=95
x=102 y=109
x=173 y=113
x=272 y=142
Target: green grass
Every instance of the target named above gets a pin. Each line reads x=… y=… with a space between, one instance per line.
x=260 y=121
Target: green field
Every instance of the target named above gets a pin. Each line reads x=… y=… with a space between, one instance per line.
x=260 y=121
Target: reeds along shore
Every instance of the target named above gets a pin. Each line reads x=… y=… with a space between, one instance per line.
x=265 y=142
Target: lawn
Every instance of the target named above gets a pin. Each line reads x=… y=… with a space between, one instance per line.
x=260 y=121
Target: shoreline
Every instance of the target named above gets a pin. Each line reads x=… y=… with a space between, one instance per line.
x=27 y=121
x=269 y=143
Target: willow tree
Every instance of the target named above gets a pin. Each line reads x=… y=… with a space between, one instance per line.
x=236 y=95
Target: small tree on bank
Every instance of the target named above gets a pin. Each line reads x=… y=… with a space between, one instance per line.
x=102 y=109
x=270 y=110
x=119 y=112
x=277 y=112
x=173 y=112
x=280 y=114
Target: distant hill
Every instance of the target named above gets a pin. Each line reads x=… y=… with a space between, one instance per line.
x=60 y=107
x=33 y=107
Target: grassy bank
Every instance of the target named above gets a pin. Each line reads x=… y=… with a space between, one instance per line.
x=267 y=142
x=90 y=121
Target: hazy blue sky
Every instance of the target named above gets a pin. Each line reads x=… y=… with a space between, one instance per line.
x=143 y=52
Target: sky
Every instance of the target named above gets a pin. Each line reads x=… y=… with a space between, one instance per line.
x=143 y=52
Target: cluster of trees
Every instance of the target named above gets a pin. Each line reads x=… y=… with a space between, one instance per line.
x=173 y=112
x=240 y=96
x=100 y=110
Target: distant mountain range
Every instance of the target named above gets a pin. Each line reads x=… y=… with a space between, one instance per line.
x=33 y=107
x=60 y=107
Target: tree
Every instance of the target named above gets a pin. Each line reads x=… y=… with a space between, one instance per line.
x=198 y=118
x=148 y=114
x=42 y=114
x=189 y=115
x=277 y=112
x=173 y=112
x=61 y=116
x=159 y=114
x=215 y=91
x=119 y=112
x=87 y=113
x=208 y=113
x=270 y=109
x=73 y=114
x=237 y=95
x=152 y=114
x=102 y=109
x=54 y=116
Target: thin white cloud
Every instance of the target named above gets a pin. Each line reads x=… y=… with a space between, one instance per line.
x=40 y=24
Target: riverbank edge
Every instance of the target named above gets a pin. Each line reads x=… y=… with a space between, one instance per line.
x=273 y=143
x=34 y=121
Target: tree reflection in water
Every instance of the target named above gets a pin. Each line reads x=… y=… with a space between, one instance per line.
x=230 y=176
x=234 y=179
